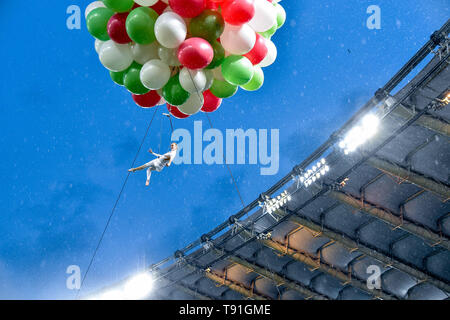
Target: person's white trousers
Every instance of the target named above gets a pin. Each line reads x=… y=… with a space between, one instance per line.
x=151 y=166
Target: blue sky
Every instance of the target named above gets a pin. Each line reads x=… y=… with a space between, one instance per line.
x=69 y=135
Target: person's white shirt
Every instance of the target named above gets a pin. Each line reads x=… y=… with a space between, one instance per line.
x=164 y=159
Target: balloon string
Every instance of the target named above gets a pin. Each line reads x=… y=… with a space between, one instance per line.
x=115 y=205
x=224 y=161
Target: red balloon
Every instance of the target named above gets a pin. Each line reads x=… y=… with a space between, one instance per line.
x=148 y=100
x=159 y=7
x=195 y=53
x=211 y=4
x=259 y=51
x=116 y=28
x=212 y=103
x=238 y=12
x=176 y=112
x=188 y=8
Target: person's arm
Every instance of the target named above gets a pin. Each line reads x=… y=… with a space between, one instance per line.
x=170 y=160
x=155 y=154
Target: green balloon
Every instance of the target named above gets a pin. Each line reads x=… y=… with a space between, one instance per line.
x=174 y=93
x=209 y=25
x=223 y=89
x=141 y=25
x=269 y=33
x=257 y=80
x=132 y=79
x=119 y=5
x=97 y=23
x=237 y=70
x=219 y=55
x=281 y=15
x=117 y=77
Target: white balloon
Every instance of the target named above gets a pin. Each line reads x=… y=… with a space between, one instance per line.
x=145 y=53
x=155 y=74
x=170 y=30
x=116 y=57
x=265 y=16
x=209 y=78
x=146 y=3
x=271 y=54
x=169 y=56
x=217 y=72
x=193 y=81
x=193 y=104
x=98 y=45
x=238 y=40
x=92 y=6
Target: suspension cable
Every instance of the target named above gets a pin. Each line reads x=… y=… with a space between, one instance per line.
x=224 y=161
x=115 y=204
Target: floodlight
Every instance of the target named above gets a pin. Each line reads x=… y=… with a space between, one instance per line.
x=138 y=287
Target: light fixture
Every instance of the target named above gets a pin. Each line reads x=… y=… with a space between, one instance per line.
x=360 y=134
x=318 y=171
x=273 y=204
x=446 y=99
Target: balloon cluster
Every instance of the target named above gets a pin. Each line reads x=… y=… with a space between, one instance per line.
x=190 y=54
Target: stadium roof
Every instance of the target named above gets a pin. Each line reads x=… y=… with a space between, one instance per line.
x=381 y=208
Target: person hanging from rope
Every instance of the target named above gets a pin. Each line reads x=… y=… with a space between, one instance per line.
x=159 y=163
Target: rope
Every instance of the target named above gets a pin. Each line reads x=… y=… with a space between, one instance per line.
x=115 y=204
x=160 y=135
x=226 y=164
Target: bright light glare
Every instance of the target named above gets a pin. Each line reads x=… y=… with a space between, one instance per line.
x=360 y=133
x=370 y=124
x=111 y=295
x=138 y=287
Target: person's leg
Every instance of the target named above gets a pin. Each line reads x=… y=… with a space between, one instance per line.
x=145 y=166
x=149 y=175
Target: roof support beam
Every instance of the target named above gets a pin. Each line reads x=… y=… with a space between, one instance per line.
x=317 y=264
x=352 y=245
x=425 y=121
x=419 y=180
x=391 y=219
x=275 y=277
